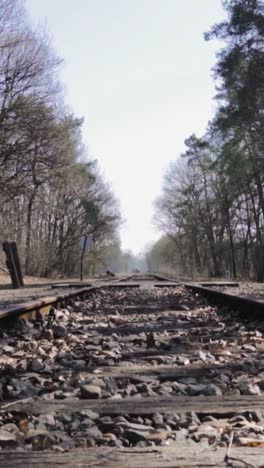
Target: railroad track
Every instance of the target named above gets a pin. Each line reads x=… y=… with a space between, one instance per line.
x=32 y=309
x=136 y=372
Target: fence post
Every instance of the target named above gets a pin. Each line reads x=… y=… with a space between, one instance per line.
x=13 y=264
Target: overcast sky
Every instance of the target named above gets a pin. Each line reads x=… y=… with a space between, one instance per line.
x=139 y=72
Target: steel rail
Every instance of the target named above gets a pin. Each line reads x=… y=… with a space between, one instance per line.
x=41 y=306
x=33 y=309
x=242 y=303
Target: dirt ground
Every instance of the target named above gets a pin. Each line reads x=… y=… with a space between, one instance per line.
x=5 y=280
x=34 y=288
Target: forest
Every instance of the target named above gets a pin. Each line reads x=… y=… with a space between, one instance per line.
x=52 y=194
x=211 y=208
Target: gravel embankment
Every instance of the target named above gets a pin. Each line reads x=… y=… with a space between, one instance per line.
x=137 y=344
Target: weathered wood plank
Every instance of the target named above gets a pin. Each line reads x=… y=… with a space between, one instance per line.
x=128 y=330
x=124 y=285
x=219 y=283
x=179 y=455
x=161 y=372
x=148 y=354
x=165 y=284
x=178 y=404
x=144 y=308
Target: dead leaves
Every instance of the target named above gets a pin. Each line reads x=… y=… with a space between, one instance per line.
x=249 y=442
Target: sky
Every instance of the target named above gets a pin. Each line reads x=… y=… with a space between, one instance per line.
x=139 y=72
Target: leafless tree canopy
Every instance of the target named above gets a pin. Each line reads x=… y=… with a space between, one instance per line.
x=51 y=194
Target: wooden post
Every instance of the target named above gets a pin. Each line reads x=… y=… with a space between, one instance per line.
x=17 y=263
x=82 y=256
x=13 y=264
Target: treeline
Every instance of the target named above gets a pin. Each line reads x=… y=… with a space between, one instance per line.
x=211 y=208
x=51 y=194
